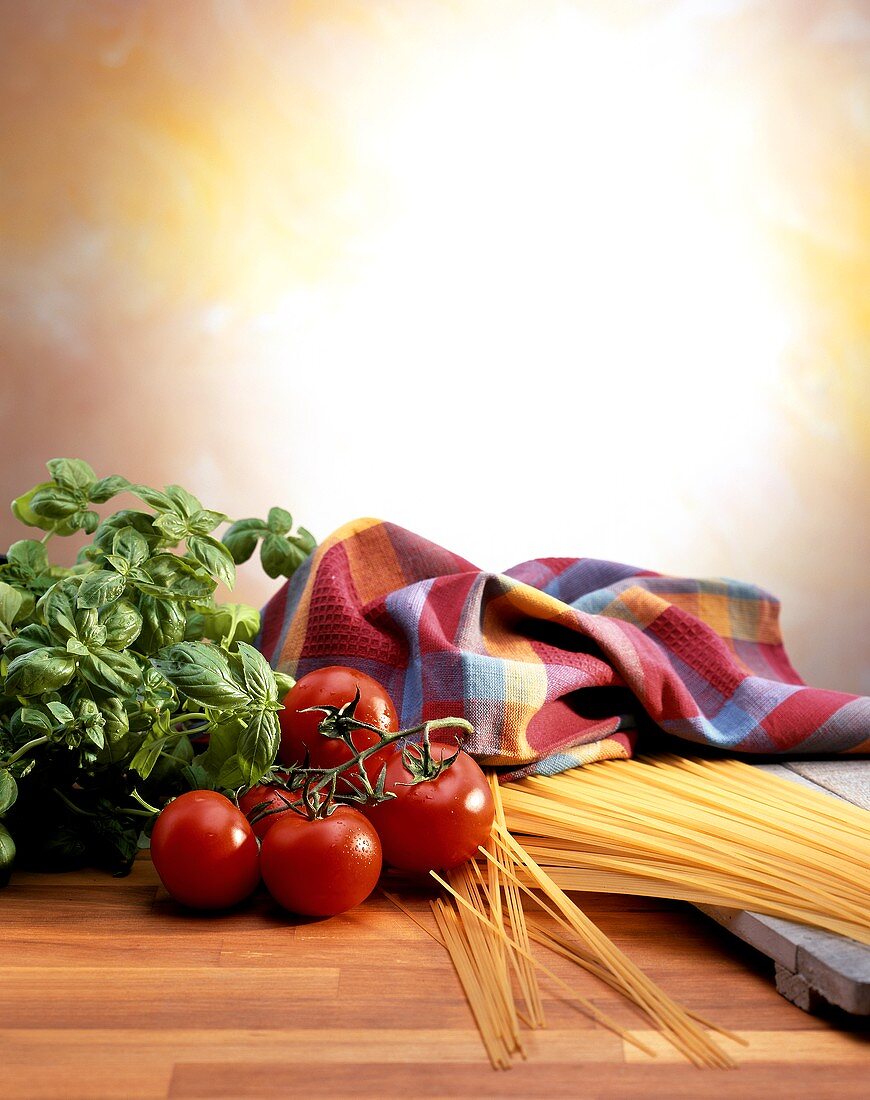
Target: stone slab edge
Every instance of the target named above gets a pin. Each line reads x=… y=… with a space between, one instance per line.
x=835 y=967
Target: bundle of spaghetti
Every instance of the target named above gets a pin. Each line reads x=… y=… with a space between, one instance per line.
x=482 y=952
x=683 y=1031
x=481 y=982
x=479 y=977
x=570 y=949
x=498 y=885
x=708 y=831
x=479 y=909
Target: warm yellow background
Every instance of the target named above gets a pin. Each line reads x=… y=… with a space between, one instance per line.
x=529 y=278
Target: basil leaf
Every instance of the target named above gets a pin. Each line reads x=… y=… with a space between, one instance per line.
x=28 y=555
x=257 y=675
x=245 y=621
x=279 y=520
x=224 y=623
x=171 y=525
x=304 y=540
x=176 y=754
x=196 y=777
x=185 y=503
x=87 y=521
x=258 y=746
x=11 y=600
x=214 y=557
x=61 y=713
x=55 y=502
x=201 y=672
x=117 y=720
x=8 y=791
x=123 y=624
x=274 y=554
x=171 y=578
x=39 y=671
x=231 y=776
x=156 y=691
x=89 y=628
x=22 y=510
x=154 y=497
x=163 y=624
x=29 y=639
x=94 y=735
x=204 y=521
x=279 y=556
x=141 y=522
x=242 y=537
x=35 y=719
x=71 y=473
x=58 y=607
x=117 y=673
x=131 y=545
x=283 y=683
x=222 y=741
x=149 y=751
x=101 y=587
x=106 y=488
x=196 y=627
x=119 y=742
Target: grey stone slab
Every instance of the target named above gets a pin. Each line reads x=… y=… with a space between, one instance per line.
x=796 y=989
x=784 y=771
x=812 y=966
x=837 y=968
x=847 y=779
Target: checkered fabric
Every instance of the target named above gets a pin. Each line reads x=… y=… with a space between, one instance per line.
x=556 y=661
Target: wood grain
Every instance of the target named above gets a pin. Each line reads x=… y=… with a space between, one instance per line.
x=108 y=989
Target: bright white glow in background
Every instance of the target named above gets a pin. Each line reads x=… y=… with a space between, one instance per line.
x=552 y=278
x=576 y=332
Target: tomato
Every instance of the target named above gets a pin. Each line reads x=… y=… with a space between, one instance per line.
x=322 y=867
x=333 y=686
x=276 y=799
x=436 y=824
x=205 y=851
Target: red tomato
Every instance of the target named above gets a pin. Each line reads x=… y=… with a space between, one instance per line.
x=322 y=867
x=437 y=824
x=276 y=799
x=332 y=686
x=205 y=852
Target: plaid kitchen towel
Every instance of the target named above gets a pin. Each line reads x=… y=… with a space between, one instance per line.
x=555 y=661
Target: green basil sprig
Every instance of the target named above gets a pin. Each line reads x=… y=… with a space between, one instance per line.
x=122 y=681
x=282 y=550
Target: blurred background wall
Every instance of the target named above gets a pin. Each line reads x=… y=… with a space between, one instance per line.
x=551 y=277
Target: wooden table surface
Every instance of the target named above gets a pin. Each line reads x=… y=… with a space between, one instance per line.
x=108 y=989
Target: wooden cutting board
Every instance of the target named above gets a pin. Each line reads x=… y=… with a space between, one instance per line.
x=812 y=968
x=110 y=990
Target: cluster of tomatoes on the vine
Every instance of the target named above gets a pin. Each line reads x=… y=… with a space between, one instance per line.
x=354 y=792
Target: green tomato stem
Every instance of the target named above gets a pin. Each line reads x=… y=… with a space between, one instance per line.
x=147 y=808
x=329 y=775
x=438 y=724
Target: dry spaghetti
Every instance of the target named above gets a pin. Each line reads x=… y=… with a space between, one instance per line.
x=713 y=832
x=486 y=927
x=718 y=832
